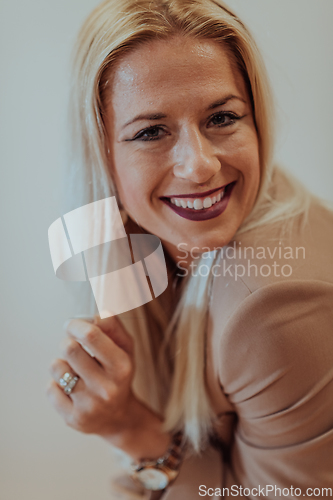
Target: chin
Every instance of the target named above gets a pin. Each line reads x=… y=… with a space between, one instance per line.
x=213 y=238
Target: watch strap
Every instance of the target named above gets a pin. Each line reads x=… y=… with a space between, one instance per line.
x=169 y=463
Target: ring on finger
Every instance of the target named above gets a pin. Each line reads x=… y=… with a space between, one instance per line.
x=68 y=382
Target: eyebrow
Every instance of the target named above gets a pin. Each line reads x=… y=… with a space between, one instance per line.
x=160 y=116
x=221 y=102
x=151 y=116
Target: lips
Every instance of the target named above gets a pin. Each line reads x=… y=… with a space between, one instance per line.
x=196 y=195
x=201 y=207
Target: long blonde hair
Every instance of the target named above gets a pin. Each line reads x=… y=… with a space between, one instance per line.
x=114 y=28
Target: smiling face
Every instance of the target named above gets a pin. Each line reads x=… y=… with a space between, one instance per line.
x=183 y=144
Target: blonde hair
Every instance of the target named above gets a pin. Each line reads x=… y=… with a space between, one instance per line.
x=114 y=28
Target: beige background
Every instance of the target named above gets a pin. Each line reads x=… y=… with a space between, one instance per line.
x=41 y=459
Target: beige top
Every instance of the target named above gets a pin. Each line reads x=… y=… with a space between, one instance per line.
x=270 y=366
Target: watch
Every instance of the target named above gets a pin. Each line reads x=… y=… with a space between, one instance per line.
x=157 y=474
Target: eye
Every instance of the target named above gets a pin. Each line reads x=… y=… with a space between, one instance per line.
x=150 y=134
x=224 y=119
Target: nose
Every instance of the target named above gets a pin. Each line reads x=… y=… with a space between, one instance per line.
x=194 y=157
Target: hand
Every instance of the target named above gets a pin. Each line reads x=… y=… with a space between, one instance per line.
x=102 y=401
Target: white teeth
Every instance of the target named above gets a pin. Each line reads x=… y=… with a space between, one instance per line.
x=207 y=203
x=197 y=204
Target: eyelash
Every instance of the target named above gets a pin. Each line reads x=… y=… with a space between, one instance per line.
x=140 y=134
x=233 y=118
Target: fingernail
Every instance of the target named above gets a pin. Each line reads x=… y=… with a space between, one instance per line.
x=82 y=317
x=88 y=351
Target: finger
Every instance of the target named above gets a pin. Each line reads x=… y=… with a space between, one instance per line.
x=104 y=348
x=58 y=369
x=59 y=400
x=115 y=330
x=82 y=363
x=89 y=319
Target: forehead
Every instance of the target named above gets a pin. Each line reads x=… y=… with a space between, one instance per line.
x=160 y=72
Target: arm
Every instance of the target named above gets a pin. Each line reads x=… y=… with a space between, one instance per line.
x=275 y=365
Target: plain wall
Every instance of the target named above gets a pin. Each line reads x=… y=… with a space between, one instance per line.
x=40 y=458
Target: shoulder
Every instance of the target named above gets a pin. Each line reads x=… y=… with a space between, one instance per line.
x=265 y=255
x=274 y=361
x=270 y=255
x=280 y=333
x=282 y=317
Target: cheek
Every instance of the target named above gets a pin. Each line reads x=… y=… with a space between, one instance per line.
x=245 y=159
x=248 y=160
x=251 y=167
x=123 y=175
x=134 y=180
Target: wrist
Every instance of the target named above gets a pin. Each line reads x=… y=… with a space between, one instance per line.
x=141 y=435
x=158 y=474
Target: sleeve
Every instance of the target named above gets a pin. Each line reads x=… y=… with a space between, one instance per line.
x=199 y=474
x=276 y=367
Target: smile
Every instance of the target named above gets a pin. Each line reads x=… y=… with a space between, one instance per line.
x=198 y=203
x=201 y=207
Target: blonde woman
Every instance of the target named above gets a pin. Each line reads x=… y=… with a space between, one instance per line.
x=224 y=384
